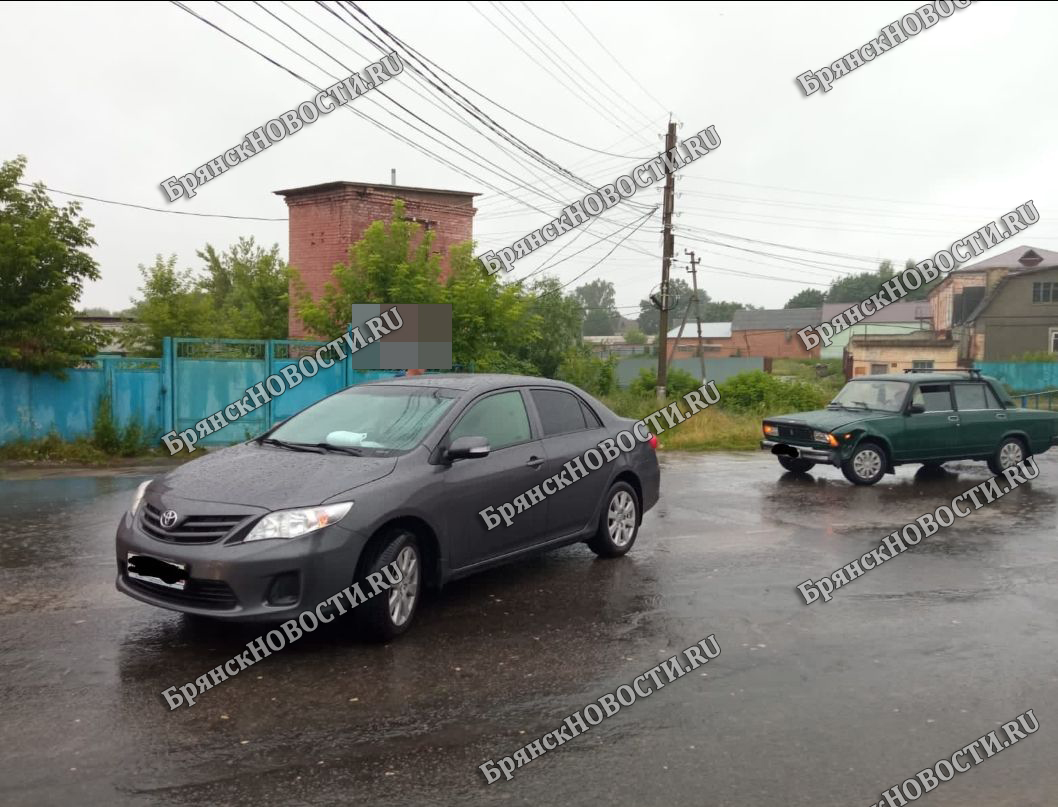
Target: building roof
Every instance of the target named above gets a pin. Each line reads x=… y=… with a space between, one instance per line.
x=1016 y=259
x=395 y=189
x=918 y=339
x=710 y=330
x=908 y=311
x=776 y=319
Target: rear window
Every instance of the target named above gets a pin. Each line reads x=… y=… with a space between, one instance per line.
x=560 y=412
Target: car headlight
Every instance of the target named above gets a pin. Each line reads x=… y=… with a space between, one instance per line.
x=293 y=523
x=138 y=496
x=823 y=437
x=770 y=430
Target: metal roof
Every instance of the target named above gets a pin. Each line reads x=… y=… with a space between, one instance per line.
x=1017 y=259
x=395 y=189
x=776 y=319
x=710 y=330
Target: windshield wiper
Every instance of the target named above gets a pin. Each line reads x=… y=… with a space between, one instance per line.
x=353 y=452
x=861 y=403
x=291 y=446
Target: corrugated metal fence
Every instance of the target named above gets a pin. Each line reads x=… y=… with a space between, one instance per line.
x=193 y=379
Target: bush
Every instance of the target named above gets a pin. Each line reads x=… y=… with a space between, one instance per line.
x=105 y=434
x=595 y=376
x=678 y=383
x=760 y=393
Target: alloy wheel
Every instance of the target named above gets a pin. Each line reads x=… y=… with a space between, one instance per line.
x=402 y=596
x=621 y=518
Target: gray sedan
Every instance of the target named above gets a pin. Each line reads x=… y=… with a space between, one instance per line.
x=389 y=472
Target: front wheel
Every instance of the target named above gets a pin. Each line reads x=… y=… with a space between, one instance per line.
x=1009 y=453
x=389 y=613
x=866 y=465
x=796 y=465
x=618 y=523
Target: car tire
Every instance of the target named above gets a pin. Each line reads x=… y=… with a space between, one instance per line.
x=389 y=613
x=866 y=465
x=1009 y=452
x=618 y=522
x=796 y=465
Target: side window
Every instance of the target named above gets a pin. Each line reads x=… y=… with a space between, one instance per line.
x=501 y=419
x=935 y=397
x=991 y=401
x=560 y=412
x=590 y=417
x=970 y=396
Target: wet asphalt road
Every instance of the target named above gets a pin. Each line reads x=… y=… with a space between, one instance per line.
x=827 y=704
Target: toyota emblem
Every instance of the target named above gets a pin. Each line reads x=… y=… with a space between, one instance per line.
x=168 y=518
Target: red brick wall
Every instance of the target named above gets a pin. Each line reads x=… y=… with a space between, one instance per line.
x=779 y=344
x=325 y=222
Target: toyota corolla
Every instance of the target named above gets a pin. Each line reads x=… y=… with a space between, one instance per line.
x=394 y=471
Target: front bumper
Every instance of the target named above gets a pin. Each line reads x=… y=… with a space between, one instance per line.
x=830 y=457
x=232 y=580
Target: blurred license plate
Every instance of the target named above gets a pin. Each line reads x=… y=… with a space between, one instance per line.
x=154 y=570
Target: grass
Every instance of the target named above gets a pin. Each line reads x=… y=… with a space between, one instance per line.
x=710 y=430
x=79 y=451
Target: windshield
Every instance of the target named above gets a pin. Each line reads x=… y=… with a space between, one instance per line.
x=887 y=396
x=375 y=420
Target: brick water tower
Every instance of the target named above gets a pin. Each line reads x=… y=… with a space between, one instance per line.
x=325 y=220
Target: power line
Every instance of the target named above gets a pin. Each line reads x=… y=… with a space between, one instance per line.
x=478 y=93
x=147 y=207
x=617 y=61
x=643 y=220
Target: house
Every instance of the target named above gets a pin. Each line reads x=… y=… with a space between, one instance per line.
x=773 y=333
x=873 y=354
x=993 y=310
x=715 y=340
x=895 y=318
x=1018 y=313
x=616 y=345
x=326 y=219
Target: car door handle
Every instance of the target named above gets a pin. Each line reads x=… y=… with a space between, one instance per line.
x=535 y=462
x=953 y=418
x=1001 y=416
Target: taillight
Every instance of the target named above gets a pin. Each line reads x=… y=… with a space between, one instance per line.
x=653 y=442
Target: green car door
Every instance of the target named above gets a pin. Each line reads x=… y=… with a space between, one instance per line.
x=931 y=434
x=982 y=419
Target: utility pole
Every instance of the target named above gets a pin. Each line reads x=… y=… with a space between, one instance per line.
x=666 y=260
x=697 y=308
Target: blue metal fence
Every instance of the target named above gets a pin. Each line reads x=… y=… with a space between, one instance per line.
x=193 y=379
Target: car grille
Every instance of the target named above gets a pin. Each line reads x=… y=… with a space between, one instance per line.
x=802 y=433
x=190 y=529
x=213 y=594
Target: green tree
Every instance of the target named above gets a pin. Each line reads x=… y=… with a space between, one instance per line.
x=709 y=310
x=635 y=337
x=248 y=286
x=807 y=298
x=172 y=304
x=600 y=307
x=44 y=264
x=496 y=327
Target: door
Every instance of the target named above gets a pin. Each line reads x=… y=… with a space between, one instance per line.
x=570 y=428
x=933 y=434
x=982 y=419
x=514 y=465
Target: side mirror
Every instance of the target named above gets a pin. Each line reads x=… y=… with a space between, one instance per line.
x=916 y=409
x=467 y=448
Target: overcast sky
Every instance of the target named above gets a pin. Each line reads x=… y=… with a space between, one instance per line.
x=911 y=151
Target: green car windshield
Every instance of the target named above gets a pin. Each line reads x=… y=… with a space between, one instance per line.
x=885 y=396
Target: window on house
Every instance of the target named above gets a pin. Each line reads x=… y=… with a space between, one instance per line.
x=1053 y=340
x=1045 y=292
x=878 y=369
x=922 y=364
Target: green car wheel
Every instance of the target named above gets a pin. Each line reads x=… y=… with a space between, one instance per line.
x=866 y=465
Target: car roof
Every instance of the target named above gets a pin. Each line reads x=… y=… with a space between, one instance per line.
x=928 y=378
x=476 y=382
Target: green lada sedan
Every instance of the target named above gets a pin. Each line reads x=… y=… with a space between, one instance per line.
x=878 y=422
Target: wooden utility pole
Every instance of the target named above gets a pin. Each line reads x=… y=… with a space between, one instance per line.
x=666 y=260
x=697 y=308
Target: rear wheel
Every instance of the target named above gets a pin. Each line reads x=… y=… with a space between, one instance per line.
x=618 y=522
x=1009 y=453
x=866 y=465
x=389 y=613
x=796 y=465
